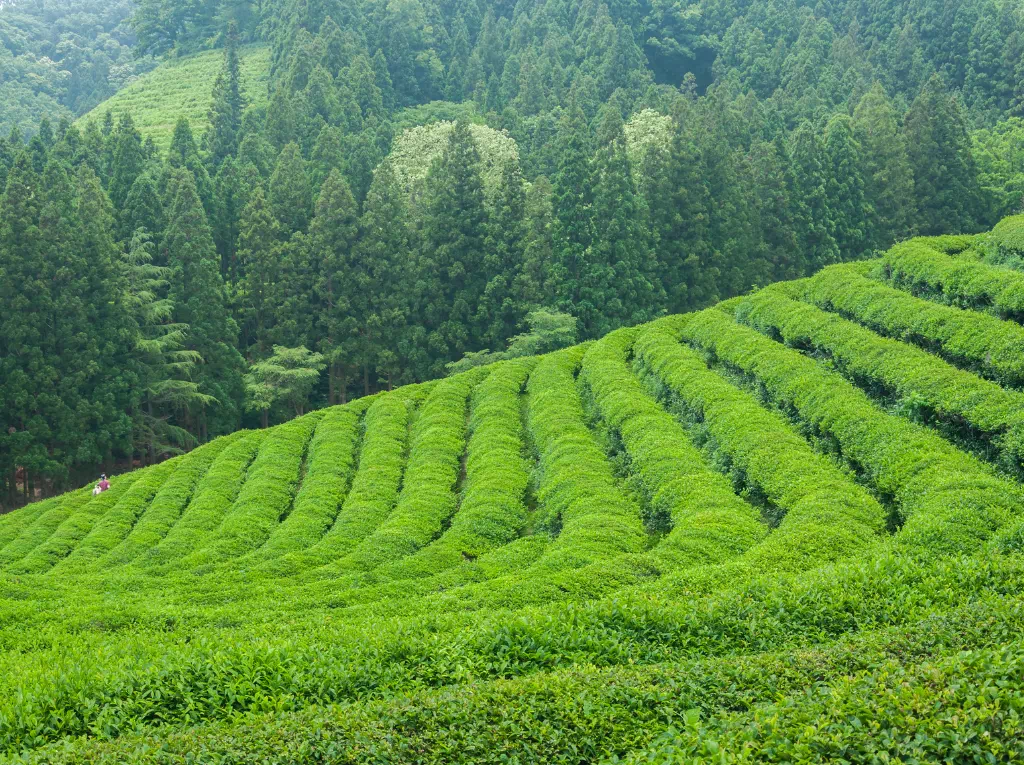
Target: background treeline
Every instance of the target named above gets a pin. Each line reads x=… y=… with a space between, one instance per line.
x=60 y=58
x=429 y=182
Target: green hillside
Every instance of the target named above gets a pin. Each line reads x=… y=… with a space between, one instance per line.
x=784 y=529
x=183 y=88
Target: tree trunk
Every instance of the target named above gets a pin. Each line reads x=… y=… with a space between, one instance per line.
x=265 y=418
x=366 y=379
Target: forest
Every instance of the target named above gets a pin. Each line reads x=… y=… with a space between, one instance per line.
x=429 y=186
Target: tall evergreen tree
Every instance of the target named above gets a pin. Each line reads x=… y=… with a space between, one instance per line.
x=228 y=104
x=259 y=252
x=142 y=209
x=385 y=261
x=573 y=230
x=342 y=303
x=451 y=273
x=290 y=194
x=945 y=177
x=128 y=163
x=888 y=177
x=815 y=224
x=845 y=188
x=197 y=291
x=617 y=286
x=500 y=310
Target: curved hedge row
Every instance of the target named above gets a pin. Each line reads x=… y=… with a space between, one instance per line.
x=492 y=510
x=895 y=367
x=969 y=284
x=59 y=528
x=330 y=466
x=168 y=504
x=112 y=528
x=267 y=495
x=106 y=686
x=375 y=486
x=577 y=485
x=976 y=340
x=950 y=502
x=428 y=498
x=582 y=714
x=14 y=523
x=710 y=524
x=827 y=515
x=217 y=491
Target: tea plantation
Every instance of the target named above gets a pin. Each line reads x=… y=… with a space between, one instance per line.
x=788 y=528
x=182 y=88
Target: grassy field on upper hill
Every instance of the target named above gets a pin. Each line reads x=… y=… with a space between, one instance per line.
x=788 y=528
x=183 y=87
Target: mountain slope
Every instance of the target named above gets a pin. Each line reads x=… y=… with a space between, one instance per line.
x=183 y=88
x=746 y=530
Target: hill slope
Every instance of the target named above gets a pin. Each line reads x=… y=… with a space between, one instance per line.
x=784 y=528
x=183 y=87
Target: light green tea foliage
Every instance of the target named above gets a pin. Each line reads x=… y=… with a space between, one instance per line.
x=183 y=88
x=788 y=528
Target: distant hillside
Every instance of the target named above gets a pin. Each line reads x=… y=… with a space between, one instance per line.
x=183 y=87
x=799 y=500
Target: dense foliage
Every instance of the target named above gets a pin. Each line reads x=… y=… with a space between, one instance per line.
x=60 y=59
x=395 y=189
x=781 y=528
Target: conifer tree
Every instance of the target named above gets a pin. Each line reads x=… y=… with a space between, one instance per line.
x=845 y=188
x=451 y=273
x=142 y=209
x=532 y=287
x=616 y=288
x=184 y=154
x=232 y=186
x=164 y=368
x=228 y=104
x=259 y=254
x=815 y=224
x=197 y=292
x=128 y=163
x=342 y=305
x=945 y=176
x=888 y=177
x=500 y=310
x=290 y=196
x=573 y=231
x=385 y=262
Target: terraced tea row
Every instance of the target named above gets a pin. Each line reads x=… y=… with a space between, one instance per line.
x=633 y=548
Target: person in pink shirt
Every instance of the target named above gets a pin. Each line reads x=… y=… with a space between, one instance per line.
x=102 y=486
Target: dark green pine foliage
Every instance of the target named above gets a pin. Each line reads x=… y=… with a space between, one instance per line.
x=31 y=397
x=617 y=286
x=845 y=188
x=573 y=229
x=142 y=210
x=679 y=208
x=128 y=161
x=259 y=254
x=233 y=186
x=342 y=309
x=945 y=177
x=109 y=386
x=772 y=181
x=290 y=195
x=184 y=154
x=384 y=260
x=451 y=277
x=815 y=224
x=228 y=104
x=501 y=310
x=532 y=288
x=888 y=177
x=66 y=336
x=198 y=294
